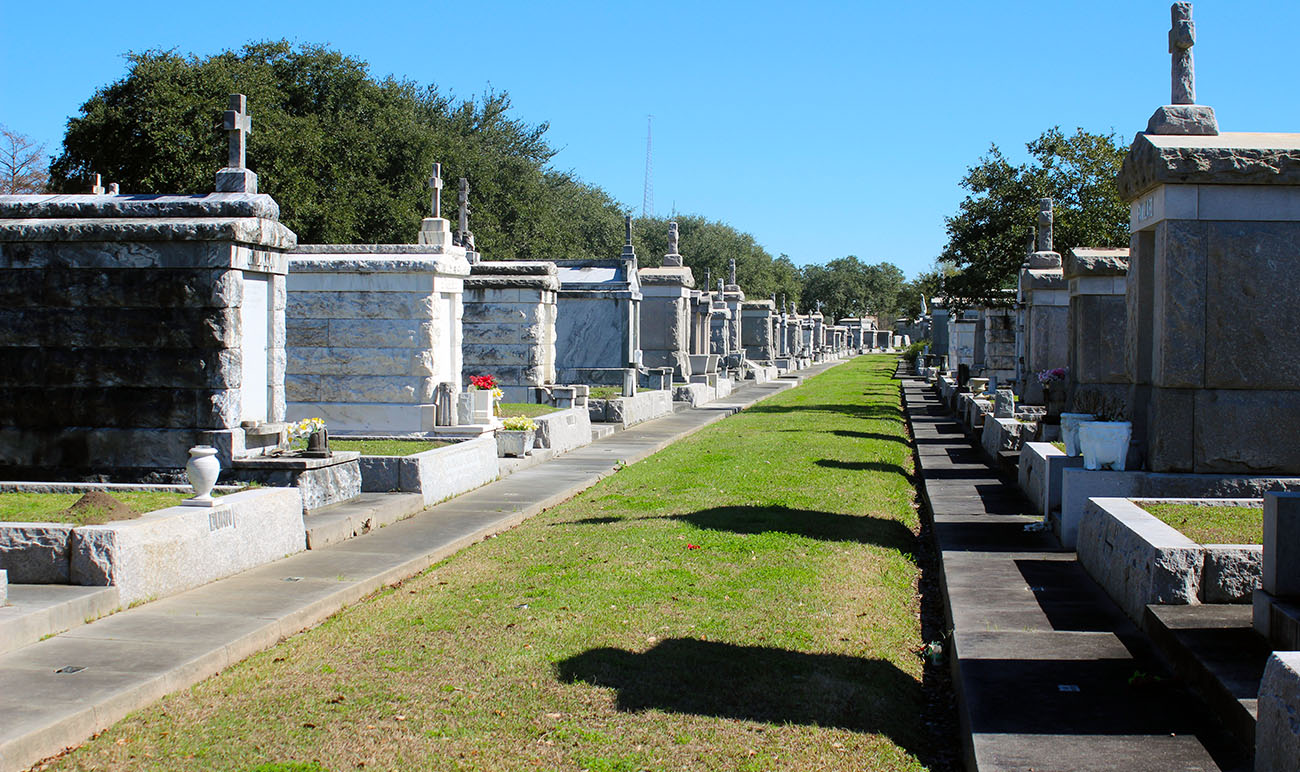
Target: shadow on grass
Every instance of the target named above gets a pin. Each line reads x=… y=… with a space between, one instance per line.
x=868 y=436
x=755 y=683
x=590 y=521
x=877 y=412
x=826 y=526
x=863 y=466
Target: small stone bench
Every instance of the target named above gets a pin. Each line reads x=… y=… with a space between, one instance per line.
x=437 y=474
x=630 y=411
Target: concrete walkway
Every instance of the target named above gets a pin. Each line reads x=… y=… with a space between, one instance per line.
x=1049 y=673
x=57 y=693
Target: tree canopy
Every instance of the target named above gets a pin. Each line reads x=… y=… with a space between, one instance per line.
x=346 y=156
x=988 y=237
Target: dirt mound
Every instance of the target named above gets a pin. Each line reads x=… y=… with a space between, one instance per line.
x=98 y=507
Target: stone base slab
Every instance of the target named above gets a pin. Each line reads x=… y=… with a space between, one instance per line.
x=1079 y=485
x=564 y=430
x=1041 y=465
x=1140 y=560
x=630 y=411
x=437 y=474
x=162 y=552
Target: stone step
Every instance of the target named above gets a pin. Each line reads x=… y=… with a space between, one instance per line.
x=1215 y=649
x=37 y=611
x=509 y=466
x=601 y=431
x=361 y=515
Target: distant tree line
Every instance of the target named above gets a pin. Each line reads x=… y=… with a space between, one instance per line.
x=348 y=156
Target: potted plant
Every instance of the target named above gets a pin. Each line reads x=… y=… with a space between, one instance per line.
x=1053 y=383
x=318 y=444
x=515 y=437
x=1104 y=442
x=484 y=396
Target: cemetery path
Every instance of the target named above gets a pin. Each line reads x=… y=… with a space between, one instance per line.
x=57 y=693
x=1049 y=672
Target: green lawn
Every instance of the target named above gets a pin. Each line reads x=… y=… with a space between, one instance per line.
x=745 y=599
x=1212 y=524
x=528 y=410
x=605 y=392
x=57 y=507
x=388 y=447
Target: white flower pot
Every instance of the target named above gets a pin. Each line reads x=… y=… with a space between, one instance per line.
x=517 y=443
x=202 y=469
x=978 y=385
x=1070 y=430
x=481 y=406
x=1105 y=443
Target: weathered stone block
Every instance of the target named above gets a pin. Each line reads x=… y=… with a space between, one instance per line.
x=404 y=389
x=1232 y=572
x=1171 y=430
x=355 y=361
x=1277 y=731
x=1280 y=575
x=1136 y=558
x=1246 y=431
x=381 y=333
x=35 y=553
x=307 y=332
x=1178 y=312
x=359 y=305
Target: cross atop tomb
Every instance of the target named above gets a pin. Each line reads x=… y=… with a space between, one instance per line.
x=731 y=272
x=672 y=238
x=435 y=185
x=629 y=251
x=96 y=185
x=236 y=177
x=1182 y=36
x=239 y=124
x=1182 y=115
x=1045 y=225
x=463 y=236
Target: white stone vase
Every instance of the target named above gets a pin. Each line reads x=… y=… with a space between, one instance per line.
x=481 y=406
x=978 y=385
x=515 y=442
x=1104 y=443
x=1070 y=430
x=202 y=469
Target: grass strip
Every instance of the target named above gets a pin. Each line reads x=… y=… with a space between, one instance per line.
x=743 y=600
x=388 y=447
x=1212 y=524
x=526 y=409
x=54 y=507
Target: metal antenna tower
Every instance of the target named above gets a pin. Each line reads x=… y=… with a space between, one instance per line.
x=648 y=194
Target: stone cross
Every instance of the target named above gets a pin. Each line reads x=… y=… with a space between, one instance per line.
x=1182 y=36
x=819 y=306
x=240 y=125
x=464 y=235
x=731 y=272
x=1044 y=225
x=707 y=277
x=720 y=290
x=96 y=185
x=435 y=185
x=1030 y=240
x=672 y=238
x=627 y=230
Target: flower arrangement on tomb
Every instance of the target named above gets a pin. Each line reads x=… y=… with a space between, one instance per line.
x=483 y=382
x=519 y=423
x=305 y=428
x=1046 y=377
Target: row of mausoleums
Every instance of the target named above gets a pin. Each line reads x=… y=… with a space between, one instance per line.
x=1156 y=368
x=136 y=326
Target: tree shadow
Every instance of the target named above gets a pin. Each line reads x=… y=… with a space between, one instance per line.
x=825 y=526
x=868 y=435
x=756 y=683
x=590 y=521
x=863 y=466
x=876 y=412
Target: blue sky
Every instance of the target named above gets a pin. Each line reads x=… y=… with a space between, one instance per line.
x=823 y=128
